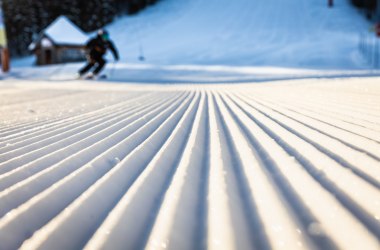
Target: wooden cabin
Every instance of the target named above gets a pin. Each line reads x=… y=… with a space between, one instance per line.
x=61 y=42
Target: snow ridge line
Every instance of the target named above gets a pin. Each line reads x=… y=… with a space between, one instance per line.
x=338 y=101
x=365 y=112
x=251 y=219
x=219 y=214
x=130 y=206
x=100 y=151
x=365 y=174
x=349 y=126
x=348 y=202
x=56 y=136
x=275 y=224
x=329 y=122
x=13 y=233
x=66 y=123
x=296 y=197
x=79 y=153
x=344 y=117
x=30 y=127
x=82 y=140
x=79 y=210
x=293 y=199
x=169 y=221
x=313 y=127
x=31 y=108
x=48 y=98
x=202 y=167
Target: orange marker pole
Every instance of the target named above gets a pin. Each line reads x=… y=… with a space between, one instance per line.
x=4 y=52
x=5 y=65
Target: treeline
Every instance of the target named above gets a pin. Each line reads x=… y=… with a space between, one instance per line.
x=24 y=19
x=368 y=6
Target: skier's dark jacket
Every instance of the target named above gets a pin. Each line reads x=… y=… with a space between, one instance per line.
x=97 y=47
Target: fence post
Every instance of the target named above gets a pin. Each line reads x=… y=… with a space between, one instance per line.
x=4 y=52
x=5 y=59
x=366 y=45
x=361 y=42
x=377 y=61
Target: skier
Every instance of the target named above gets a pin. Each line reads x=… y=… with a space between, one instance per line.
x=96 y=48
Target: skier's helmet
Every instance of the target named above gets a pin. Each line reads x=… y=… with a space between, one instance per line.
x=104 y=34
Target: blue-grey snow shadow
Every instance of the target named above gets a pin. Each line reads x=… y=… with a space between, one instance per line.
x=193 y=74
x=186 y=74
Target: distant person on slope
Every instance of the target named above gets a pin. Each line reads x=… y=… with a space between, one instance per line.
x=96 y=48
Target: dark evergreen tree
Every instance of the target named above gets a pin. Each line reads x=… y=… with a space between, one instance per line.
x=25 y=19
x=368 y=6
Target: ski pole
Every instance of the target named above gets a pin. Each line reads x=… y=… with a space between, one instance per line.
x=141 y=53
x=112 y=69
x=141 y=56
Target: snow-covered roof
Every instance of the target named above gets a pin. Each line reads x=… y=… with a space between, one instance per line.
x=63 y=31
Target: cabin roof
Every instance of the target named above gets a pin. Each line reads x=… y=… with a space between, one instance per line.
x=62 y=32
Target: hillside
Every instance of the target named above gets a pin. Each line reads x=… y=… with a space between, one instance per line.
x=155 y=158
x=294 y=33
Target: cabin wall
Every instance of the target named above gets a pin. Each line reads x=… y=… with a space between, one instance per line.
x=59 y=54
x=45 y=56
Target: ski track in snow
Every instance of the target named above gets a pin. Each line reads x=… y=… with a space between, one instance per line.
x=176 y=162
x=191 y=166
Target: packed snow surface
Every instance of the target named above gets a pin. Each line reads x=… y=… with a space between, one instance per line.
x=250 y=125
x=285 y=165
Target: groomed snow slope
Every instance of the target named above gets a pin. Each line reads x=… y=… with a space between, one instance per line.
x=292 y=33
x=229 y=41
x=284 y=165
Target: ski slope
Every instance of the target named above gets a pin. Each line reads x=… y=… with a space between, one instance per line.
x=294 y=34
x=101 y=166
x=250 y=125
x=223 y=41
x=291 y=34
